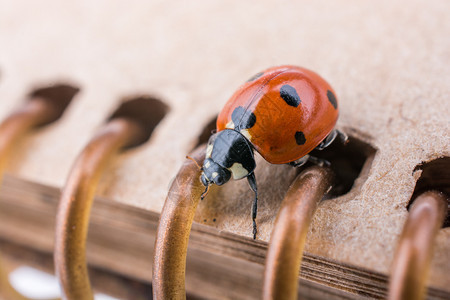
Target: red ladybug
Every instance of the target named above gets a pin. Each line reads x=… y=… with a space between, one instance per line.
x=283 y=113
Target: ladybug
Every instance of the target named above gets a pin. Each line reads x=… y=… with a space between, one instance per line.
x=283 y=113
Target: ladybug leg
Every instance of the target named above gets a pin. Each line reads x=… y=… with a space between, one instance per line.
x=315 y=160
x=328 y=140
x=331 y=137
x=252 y=182
x=299 y=162
x=343 y=137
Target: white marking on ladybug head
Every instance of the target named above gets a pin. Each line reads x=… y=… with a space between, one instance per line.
x=238 y=171
x=230 y=125
x=207 y=164
x=214 y=175
x=209 y=150
x=246 y=133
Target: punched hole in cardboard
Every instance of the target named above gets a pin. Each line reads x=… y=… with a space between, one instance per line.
x=435 y=177
x=146 y=111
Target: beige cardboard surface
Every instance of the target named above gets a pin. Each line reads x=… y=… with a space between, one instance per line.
x=388 y=63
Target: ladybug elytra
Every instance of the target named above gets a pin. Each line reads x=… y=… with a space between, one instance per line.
x=283 y=113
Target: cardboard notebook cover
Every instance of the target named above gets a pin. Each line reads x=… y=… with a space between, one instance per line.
x=388 y=63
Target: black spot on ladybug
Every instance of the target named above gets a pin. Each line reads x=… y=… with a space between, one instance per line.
x=332 y=98
x=204 y=220
x=256 y=76
x=243 y=118
x=214 y=220
x=300 y=138
x=289 y=94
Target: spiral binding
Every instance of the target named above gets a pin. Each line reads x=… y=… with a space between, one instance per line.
x=412 y=260
x=177 y=215
x=128 y=127
x=37 y=111
x=286 y=245
x=410 y=267
x=288 y=237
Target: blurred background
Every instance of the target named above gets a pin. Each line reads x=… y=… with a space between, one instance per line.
x=388 y=62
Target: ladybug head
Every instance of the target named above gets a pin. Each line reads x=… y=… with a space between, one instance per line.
x=213 y=173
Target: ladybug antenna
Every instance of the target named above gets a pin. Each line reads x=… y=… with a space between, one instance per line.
x=203 y=195
x=188 y=157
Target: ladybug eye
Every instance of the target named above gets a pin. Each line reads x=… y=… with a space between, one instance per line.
x=218 y=180
x=222 y=176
